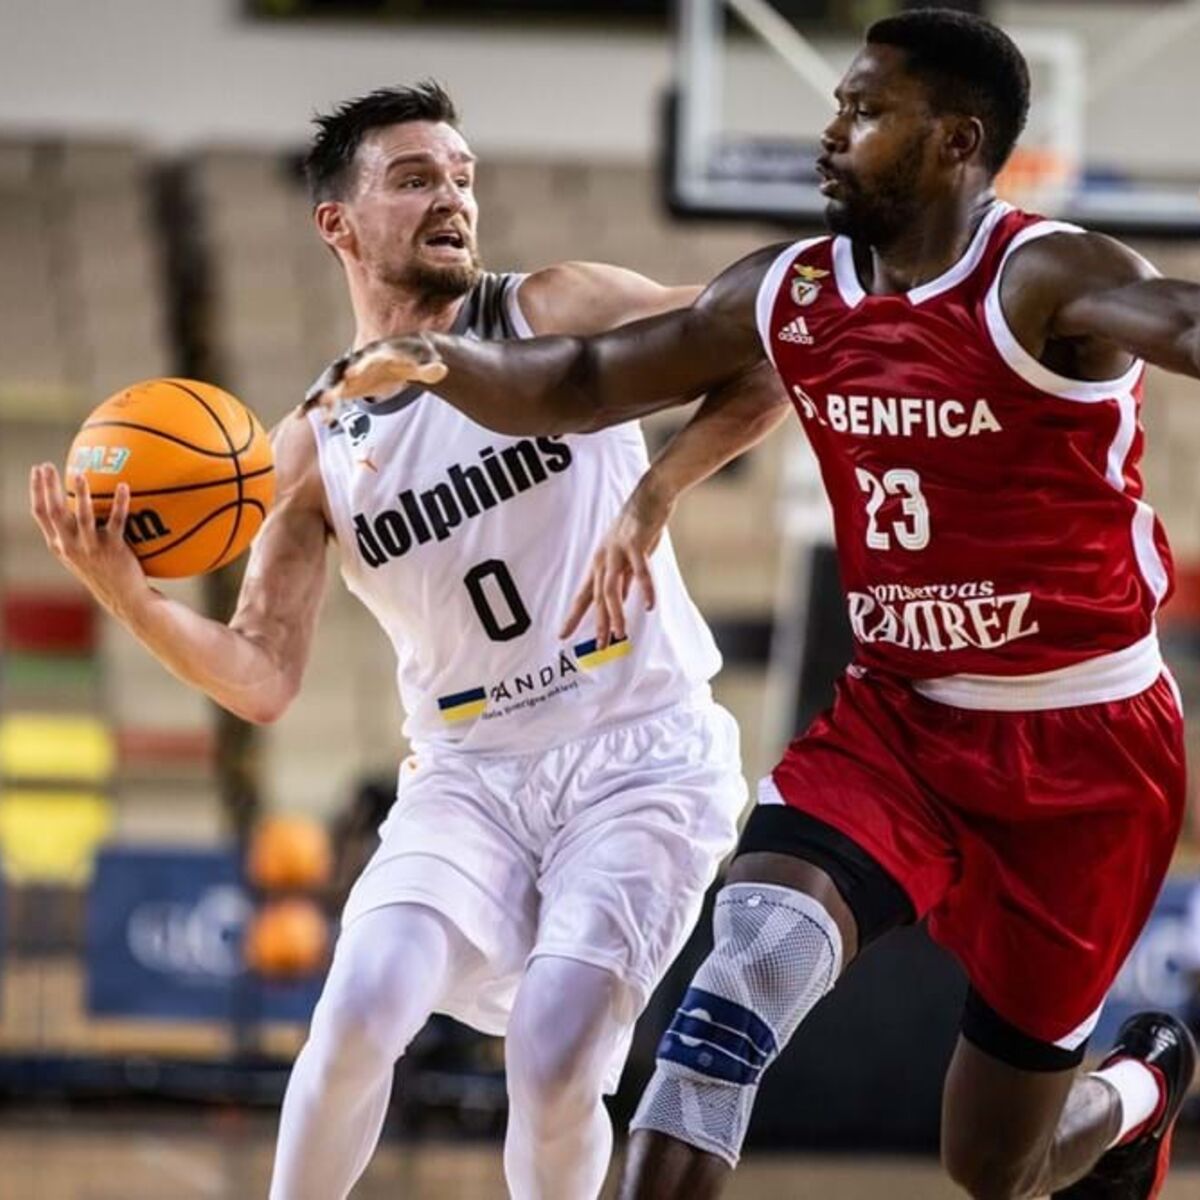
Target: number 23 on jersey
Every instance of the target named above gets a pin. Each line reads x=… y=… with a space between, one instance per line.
x=910 y=531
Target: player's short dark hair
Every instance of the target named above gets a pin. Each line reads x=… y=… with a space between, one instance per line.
x=970 y=66
x=329 y=163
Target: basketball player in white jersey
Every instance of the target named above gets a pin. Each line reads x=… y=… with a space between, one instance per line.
x=567 y=802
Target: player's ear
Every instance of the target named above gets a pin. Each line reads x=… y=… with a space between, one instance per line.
x=962 y=139
x=332 y=225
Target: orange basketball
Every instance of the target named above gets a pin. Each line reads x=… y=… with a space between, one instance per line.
x=199 y=467
x=289 y=851
x=287 y=938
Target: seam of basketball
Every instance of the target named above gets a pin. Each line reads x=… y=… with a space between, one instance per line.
x=168 y=437
x=235 y=453
x=208 y=408
x=212 y=516
x=186 y=487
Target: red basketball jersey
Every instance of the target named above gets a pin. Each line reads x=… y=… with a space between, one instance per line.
x=989 y=514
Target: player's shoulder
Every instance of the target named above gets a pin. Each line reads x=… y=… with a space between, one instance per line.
x=1073 y=259
x=734 y=294
x=580 y=297
x=297 y=461
x=585 y=298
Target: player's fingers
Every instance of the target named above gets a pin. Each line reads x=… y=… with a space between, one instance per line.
x=384 y=366
x=641 y=572
x=56 y=502
x=599 y=583
x=612 y=600
x=323 y=392
x=621 y=613
x=58 y=519
x=578 y=609
x=37 y=503
x=85 y=513
x=433 y=372
x=418 y=352
x=119 y=513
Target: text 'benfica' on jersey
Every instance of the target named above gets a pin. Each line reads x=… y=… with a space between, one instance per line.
x=993 y=540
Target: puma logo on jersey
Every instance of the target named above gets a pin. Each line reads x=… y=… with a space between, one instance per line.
x=467 y=492
x=907 y=416
x=796 y=331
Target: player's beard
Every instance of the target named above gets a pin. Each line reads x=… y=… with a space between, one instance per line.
x=881 y=216
x=437 y=282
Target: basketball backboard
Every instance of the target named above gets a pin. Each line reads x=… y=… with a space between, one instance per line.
x=751 y=94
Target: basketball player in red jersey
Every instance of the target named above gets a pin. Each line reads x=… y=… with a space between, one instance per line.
x=1005 y=754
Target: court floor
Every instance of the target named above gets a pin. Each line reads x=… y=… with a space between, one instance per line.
x=227 y=1157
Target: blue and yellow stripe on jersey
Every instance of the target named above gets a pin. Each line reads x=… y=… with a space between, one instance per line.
x=462 y=706
x=589 y=655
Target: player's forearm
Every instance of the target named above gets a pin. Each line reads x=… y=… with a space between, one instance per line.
x=1162 y=324
x=730 y=421
x=540 y=386
x=555 y=385
x=1154 y=319
x=235 y=670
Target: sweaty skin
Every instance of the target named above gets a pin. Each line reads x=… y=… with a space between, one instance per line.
x=1082 y=304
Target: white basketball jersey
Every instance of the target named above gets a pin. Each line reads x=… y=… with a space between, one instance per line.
x=468 y=546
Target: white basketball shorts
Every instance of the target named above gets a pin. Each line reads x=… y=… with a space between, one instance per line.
x=598 y=850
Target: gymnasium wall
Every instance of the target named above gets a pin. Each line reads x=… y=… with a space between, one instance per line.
x=582 y=93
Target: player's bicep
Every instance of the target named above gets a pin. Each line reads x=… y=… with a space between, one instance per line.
x=1154 y=319
x=684 y=353
x=1095 y=288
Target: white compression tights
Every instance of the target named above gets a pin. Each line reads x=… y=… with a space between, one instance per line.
x=390 y=970
x=569 y=1020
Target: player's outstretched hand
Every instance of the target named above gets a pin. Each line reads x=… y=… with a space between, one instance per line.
x=377 y=369
x=96 y=553
x=622 y=559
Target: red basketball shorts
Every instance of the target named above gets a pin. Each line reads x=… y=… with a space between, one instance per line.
x=1035 y=842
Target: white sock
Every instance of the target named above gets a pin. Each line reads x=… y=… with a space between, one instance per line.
x=388 y=973
x=1139 y=1090
x=569 y=1022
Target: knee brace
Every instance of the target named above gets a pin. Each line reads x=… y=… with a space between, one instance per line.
x=775 y=953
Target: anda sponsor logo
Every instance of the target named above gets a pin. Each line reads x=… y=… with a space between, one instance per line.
x=941 y=617
x=900 y=416
x=528 y=689
x=468 y=491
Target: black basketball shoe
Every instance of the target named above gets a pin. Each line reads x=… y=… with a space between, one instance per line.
x=1138 y=1169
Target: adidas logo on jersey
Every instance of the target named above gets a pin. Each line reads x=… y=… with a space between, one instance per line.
x=796 y=330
